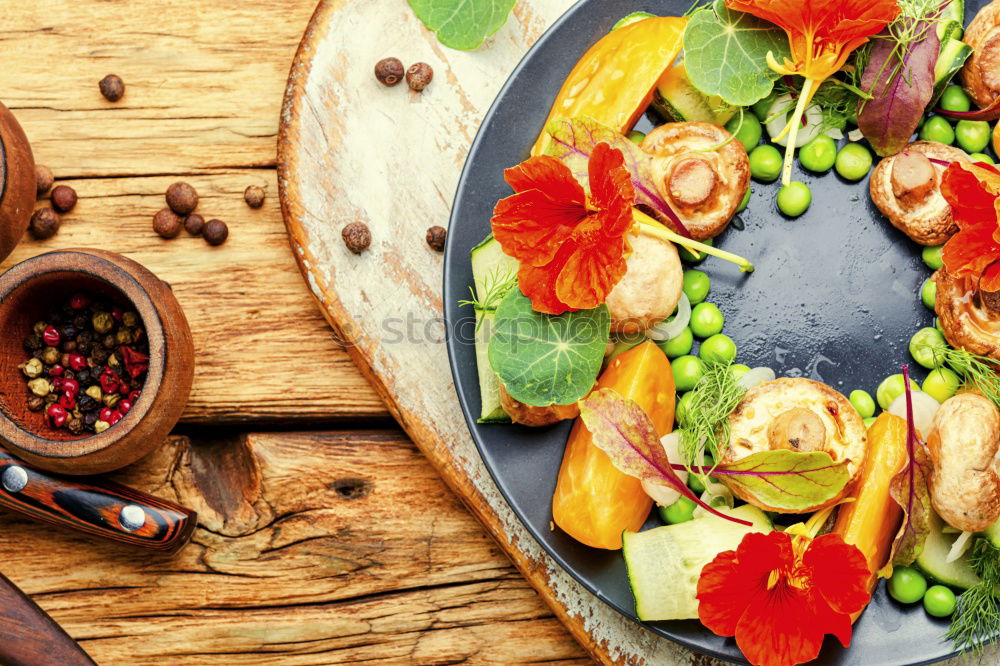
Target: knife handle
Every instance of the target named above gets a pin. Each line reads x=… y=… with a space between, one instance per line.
x=95 y=507
x=29 y=637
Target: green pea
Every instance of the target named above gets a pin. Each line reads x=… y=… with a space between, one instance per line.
x=683 y=405
x=706 y=320
x=928 y=293
x=939 y=601
x=719 y=348
x=853 y=161
x=696 y=285
x=738 y=370
x=680 y=511
x=635 y=136
x=941 y=384
x=819 y=154
x=762 y=109
x=907 y=585
x=937 y=129
x=955 y=99
x=973 y=135
x=932 y=257
x=746 y=128
x=926 y=346
x=634 y=17
x=680 y=345
x=981 y=157
x=687 y=255
x=687 y=370
x=794 y=199
x=765 y=163
x=937 y=324
x=745 y=201
x=863 y=402
x=891 y=388
x=869 y=421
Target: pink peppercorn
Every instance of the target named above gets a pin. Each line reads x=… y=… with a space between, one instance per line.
x=115 y=417
x=57 y=415
x=70 y=386
x=67 y=400
x=124 y=406
x=78 y=301
x=77 y=362
x=117 y=314
x=56 y=370
x=51 y=336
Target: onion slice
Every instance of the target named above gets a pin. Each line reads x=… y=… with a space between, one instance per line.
x=780 y=115
x=661 y=492
x=669 y=330
x=958 y=548
x=924 y=409
x=756 y=376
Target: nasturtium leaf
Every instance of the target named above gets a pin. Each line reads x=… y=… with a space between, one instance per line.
x=725 y=54
x=462 y=24
x=543 y=359
x=788 y=480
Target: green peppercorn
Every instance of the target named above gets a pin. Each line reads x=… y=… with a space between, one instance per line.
x=101 y=426
x=102 y=322
x=113 y=362
x=75 y=425
x=32 y=368
x=123 y=337
x=130 y=319
x=111 y=399
x=36 y=403
x=40 y=386
x=51 y=398
x=95 y=392
x=39 y=327
x=51 y=356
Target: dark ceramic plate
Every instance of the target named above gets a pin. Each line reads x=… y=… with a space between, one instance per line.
x=835 y=298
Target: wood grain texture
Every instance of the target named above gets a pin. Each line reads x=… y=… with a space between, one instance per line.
x=204 y=82
x=312 y=549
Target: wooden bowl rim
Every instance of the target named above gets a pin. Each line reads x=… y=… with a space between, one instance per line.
x=124 y=281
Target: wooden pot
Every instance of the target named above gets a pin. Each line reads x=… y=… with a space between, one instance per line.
x=17 y=182
x=27 y=292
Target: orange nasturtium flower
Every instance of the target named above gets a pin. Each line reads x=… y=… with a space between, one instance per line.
x=822 y=34
x=779 y=594
x=572 y=247
x=973 y=191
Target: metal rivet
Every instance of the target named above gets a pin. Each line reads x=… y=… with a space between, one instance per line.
x=14 y=479
x=132 y=517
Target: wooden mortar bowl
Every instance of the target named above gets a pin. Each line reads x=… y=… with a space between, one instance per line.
x=27 y=292
x=17 y=182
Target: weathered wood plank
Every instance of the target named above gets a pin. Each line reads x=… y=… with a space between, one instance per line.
x=315 y=548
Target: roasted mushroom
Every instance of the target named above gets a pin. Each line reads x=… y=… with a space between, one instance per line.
x=981 y=74
x=965 y=475
x=907 y=189
x=703 y=180
x=651 y=287
x=969 y=317
x=799 y=415
x=535 y=416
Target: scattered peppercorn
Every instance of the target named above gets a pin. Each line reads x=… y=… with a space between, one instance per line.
x=112 y=87
x=166 y=223
x=182 y=198
x=43 y=179
x=194 y=224
x=44 y=223
x=419 y=76
x=215 y=232
x=254 y=196
x=389 y=71
x=357 y=237
x=436 y=236
x=63 y=198
x=36 y=404
x=32 y=367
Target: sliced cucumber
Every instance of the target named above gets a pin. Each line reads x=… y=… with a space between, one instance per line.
x=490 y=266
x=780 y=114
x=664 y=563
x=993 y=533
x=952 y=58
x=676 y=100
x=951 y=20
x=933 y=559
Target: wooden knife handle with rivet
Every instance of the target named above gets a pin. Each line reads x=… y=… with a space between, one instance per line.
x=93 y=506
x=29 y=637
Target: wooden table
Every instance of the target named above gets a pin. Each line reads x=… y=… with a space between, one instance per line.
x=325 y=537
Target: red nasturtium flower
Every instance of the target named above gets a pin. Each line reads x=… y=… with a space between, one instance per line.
x=572 y=247
x=779 y=594
x=973 y=192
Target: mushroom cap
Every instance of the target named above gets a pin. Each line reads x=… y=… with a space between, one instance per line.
x=923 y=214
x=965 y=476
x=981 y=73
x=535 y=416
x=651 y=287
x=797 y=414
x=965 y=320
x=703 y=186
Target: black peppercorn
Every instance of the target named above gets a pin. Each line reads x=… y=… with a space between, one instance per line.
x=194 y=224
x=419 y=76
x=36 y=404
x=68 y=346
x=90 y=418
x=357 y=237
x=435 y=238
x=68 y=332
x=182 y=198
x=254 y=196
x=63 y=198
x=86 y=403
x=69 y=374
x=389 y=71
x=84 y=377
x=79 y=322
x=109 y=342
x=75 y=426
x=215 y=232
x=44 y=223
x=43 y=179
x=166 y=223
x=100 y=356
x=112 y=87
x=33 y=343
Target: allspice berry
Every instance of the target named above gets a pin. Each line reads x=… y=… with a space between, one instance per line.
x=357 y=237
x=194 y=224
x=215 y=232
x=43 y=179
x=166 y=223
x=112 y=87
x=435 y=238
x=182 y=198
x=254 y=196
x=419 y=76
x=63 y=198
x=44 y=223
x=389 y=71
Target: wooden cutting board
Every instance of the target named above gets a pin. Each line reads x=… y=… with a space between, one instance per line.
x=352 y=150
